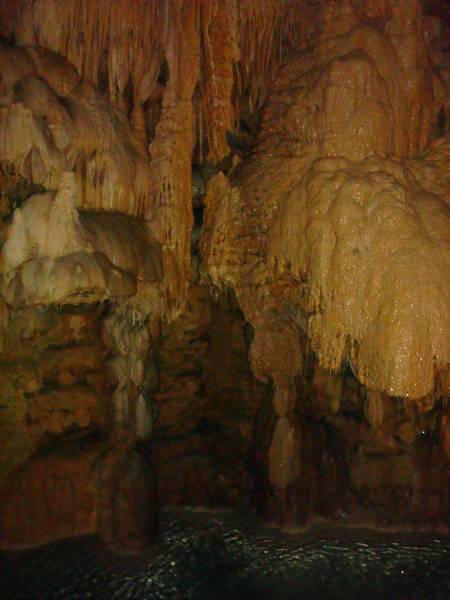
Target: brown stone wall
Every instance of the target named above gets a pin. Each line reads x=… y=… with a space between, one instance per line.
x=206 y=404
x=51 y=379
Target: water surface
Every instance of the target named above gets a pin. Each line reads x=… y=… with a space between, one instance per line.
x=209 y=556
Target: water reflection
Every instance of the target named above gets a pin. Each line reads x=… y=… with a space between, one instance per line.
x=208 y=556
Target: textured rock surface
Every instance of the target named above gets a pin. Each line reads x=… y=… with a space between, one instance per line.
x=320 y=232
x=58 y=468
x=53 y=254
x=205 y=405
x=52 y=380
x=128 y=508
x=79 y=489
x=224 y=242
x=332 y=231
x=52 y=121
x=146 y=57
x=50 y=497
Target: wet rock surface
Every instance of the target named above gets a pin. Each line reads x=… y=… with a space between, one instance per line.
x=224 y=556
x=223 y=243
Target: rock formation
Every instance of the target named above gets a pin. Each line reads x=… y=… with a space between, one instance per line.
x=329 y=231
x=224 y=257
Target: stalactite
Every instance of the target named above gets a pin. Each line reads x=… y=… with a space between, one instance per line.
x=385 y=49
x=380 y=233
x=171 y=151
x=119 y=46
x=310 y=139
x=52 y=122
x=220 y=51
x=128 y=339
x=241 y=44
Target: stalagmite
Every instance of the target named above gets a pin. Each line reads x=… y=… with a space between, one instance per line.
x=374 y=408
x=284 y=452
x=143 y=418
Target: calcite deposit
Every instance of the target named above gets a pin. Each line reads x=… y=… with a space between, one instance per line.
x=224 y=262
x=54 y=254
x=326 y=224
x=52 y=121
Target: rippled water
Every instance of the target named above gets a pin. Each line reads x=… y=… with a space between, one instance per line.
x=208 y=556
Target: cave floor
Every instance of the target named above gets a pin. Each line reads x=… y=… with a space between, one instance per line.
x=222 y=555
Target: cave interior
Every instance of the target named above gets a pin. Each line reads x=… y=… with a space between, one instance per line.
x=247 y=301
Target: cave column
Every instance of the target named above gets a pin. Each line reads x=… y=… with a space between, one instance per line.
x=128 y=505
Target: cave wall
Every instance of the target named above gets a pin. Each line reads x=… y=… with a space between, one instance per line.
x=365 y=458
x=52 y=380
x=224 y=262
x=206 y=405
x=59 y=469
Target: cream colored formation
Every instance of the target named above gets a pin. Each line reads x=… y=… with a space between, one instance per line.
x=146 y=56
x=54 y=254
x=52 y=121
x=333 y=227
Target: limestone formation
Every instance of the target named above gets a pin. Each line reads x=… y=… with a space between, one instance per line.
x=331 y=223
x=127 y=337
x=53 y=254
x=52 y=121
x=224 y=254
